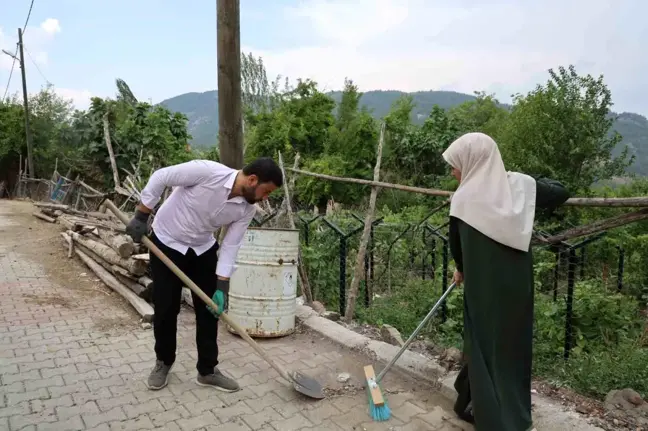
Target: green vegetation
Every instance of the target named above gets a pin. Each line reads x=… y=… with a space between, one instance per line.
x=564 y=128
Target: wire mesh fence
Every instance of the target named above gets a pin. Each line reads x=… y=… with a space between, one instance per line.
x=571 y=279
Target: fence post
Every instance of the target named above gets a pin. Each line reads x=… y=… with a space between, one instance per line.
x=444 y=263
x=620 y=270
x=343 y=258
x=571 y=275
x=556 y=274
x=307 y=224
x=571 y=281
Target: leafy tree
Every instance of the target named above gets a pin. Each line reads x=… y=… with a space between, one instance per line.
x=484 y=114
x=562 y=129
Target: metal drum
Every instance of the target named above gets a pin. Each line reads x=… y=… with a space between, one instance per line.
x=263 y=287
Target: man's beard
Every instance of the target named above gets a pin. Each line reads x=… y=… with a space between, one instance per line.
x=249 y=194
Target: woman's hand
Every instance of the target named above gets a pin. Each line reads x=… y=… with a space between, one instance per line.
x=457 y=278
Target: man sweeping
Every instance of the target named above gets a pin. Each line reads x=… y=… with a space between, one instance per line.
x=206 y=195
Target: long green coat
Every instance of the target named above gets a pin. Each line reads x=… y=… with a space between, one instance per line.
x=498 y=322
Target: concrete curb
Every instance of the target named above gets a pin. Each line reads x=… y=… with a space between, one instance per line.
x=547 y=415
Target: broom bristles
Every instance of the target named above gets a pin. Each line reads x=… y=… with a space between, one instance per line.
x=378 y=413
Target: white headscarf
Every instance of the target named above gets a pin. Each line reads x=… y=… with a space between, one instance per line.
x=499 y=204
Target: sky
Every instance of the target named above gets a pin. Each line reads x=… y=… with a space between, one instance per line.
x=165 y=48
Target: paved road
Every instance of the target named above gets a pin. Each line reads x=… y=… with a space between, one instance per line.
x=73 y=356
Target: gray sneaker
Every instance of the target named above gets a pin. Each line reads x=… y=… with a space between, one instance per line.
x=159 y=376
x=219 y=381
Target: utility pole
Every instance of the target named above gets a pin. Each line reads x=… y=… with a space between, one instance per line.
x=228 y=34
x=28 y=136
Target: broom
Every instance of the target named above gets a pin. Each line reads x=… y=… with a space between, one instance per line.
x=378 y=408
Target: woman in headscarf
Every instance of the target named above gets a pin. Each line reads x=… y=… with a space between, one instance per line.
x=491 y=223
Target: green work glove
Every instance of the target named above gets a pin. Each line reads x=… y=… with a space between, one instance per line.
x=220 y=297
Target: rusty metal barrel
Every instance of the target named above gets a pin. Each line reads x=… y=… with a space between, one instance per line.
x=263 y=287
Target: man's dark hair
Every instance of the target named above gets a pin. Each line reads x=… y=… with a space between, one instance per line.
x=266 y=170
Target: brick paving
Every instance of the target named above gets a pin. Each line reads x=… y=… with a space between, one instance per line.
x=73 y=356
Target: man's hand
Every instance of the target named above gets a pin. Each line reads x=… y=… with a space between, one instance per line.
x=457 y=278
x=138 y=226
x=220 y=297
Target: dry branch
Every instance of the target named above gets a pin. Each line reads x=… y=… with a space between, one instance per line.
x=597 y=226
x=95 y=191
x=420 y=190
x=111 y=154
x=364 y=240
x=580 y=202
x=305 y=282
x=136 y=267
x=122 y=244
x=43 y=217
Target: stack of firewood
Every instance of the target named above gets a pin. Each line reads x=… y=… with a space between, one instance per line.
x=98 y=239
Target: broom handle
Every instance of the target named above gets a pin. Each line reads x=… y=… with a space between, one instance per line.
x=198 y=291
x=416 y=332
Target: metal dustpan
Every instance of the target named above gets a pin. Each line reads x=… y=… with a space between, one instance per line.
x=307 y=385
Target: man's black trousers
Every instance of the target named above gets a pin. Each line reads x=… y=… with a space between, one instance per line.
x=167 y=294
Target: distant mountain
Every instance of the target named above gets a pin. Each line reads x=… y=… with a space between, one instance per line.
x=202 y=111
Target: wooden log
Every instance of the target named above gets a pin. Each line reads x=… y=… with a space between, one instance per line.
x=420 y=190
x=640 y=201
x=67 y=209
x=124 y=273
x=145 y=281
x=51 y=206
x=70 y=248
x=122 y=244
x=637 y=202
x=136 y=267
x=49 y=212
x=127 y=291
x=78 y=223
x=66 y=223
x=592 y=228
x=42 y=216
x=144 y=256
x=107 y=266
x=141 y=306
x=364 y=239
x=135 y=287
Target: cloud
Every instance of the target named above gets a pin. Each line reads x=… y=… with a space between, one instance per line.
x=36 y=38
x=503 y=46
x=80 y=98
x=51 y=26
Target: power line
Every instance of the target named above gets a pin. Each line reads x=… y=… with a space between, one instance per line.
x=28 y=15
x=13 y=64
x=36 y=65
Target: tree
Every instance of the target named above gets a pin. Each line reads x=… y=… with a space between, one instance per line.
x=563 y=130
x=415 y=151
x=484 y=114
x=300 y=122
